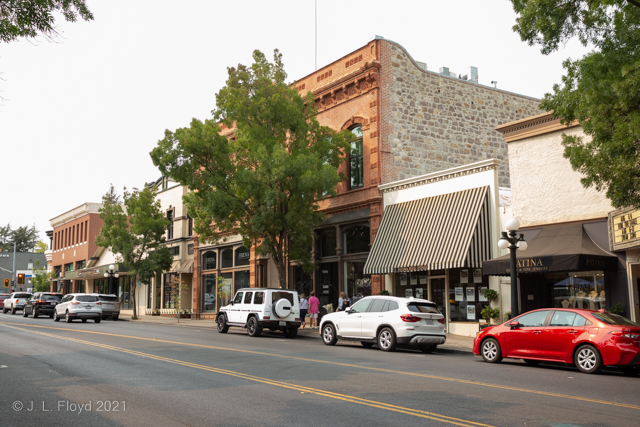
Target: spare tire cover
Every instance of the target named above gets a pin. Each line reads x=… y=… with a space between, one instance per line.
x=282 y=308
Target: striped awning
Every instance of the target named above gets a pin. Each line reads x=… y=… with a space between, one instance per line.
x=447 y=231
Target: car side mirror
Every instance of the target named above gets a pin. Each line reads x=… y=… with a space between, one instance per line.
x=514 y=325
x=231 y=302
x=348 y=309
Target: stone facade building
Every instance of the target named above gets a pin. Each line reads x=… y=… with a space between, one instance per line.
x=406 y=122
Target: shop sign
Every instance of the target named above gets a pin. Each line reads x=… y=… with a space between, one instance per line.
x=624 y=230
x=244 y=255
x=532 y=265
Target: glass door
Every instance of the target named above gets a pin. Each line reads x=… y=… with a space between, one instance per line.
x=437 y=293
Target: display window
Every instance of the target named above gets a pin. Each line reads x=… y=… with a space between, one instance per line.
x=466 y=294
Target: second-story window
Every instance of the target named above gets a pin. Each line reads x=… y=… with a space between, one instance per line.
x=356 y=160
x=190 y=225
x=170 y=229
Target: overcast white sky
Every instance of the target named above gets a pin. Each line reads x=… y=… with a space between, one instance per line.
x=84 y=111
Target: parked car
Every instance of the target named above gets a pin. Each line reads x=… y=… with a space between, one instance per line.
x=41 y=303
x=15 y=302
x=587 y=338
x=110 y=306
x=259 y=308
x=387 y=321
x=78 y=306
x=2 y=298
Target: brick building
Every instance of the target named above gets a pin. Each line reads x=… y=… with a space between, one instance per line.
x=407 y=122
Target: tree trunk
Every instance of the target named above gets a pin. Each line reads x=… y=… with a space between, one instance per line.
x=133 y=297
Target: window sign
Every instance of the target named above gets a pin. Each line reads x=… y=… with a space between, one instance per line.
x=459 y=294
x=464 y=276
x=403 y=279
x=471 y=294
x=477 y=275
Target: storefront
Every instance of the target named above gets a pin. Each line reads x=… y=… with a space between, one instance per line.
x=224 y=270
x=564 y=267
x=92 y=280
x=624 y=240
x=436 y=231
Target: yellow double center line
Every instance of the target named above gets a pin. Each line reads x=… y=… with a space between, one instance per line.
x=412 y=374
x=324 y=393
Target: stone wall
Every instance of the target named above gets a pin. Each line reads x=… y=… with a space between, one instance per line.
x=431 y=122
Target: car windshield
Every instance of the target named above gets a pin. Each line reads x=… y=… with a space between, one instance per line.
x=22 y=295
x=420 y=307
x=108 y=298
x=613 y=319
x=50 y=297
x=87 y=298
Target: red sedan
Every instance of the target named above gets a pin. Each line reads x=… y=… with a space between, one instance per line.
x=589 y=339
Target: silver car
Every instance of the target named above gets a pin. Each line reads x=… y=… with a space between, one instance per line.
x=387 y=321
x=16 y=302
x=78 y=306
x=110 y=306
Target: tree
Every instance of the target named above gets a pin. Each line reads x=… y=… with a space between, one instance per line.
x=265 y=180
x=41 y=280
x=136 y=237
x=41 y=247
x=600 y=90
x=25 y=238
x=22 y=18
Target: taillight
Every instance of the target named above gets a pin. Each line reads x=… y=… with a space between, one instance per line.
x=74 y=303
x=441 y=321
x=626 y=334
x=39 y=301
x=99 y=303
x=410 y=318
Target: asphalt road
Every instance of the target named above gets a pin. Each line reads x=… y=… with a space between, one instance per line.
x=131 y=374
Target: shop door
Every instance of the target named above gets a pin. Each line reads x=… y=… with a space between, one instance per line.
x=327 y=285
x=437 y=293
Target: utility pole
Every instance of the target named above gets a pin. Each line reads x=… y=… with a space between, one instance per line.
x=13 y=274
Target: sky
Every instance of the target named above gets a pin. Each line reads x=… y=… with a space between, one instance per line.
x=83 y=111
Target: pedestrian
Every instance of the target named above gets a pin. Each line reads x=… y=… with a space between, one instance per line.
x=314 y=307
x=304 y=306
x=343 y=301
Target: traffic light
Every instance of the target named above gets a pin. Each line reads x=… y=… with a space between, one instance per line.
x=6 y=283
x=20 y=278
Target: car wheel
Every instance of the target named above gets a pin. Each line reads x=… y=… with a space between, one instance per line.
x=13 y=310
x=222 y=324
x=253 y=329
x=67 y=318
x=532 y=362
x=428 y=348
x=35 y=313
x=25 y=314
x=366 y=344
x=329 y=334
x=4 y=310
x=84 y=320
x=290 y=332
x=490 y=351
x=55 y=316
x=630 y=371
x=115 y=318
x=96 y=319
x=386 y=340
x=588 y=359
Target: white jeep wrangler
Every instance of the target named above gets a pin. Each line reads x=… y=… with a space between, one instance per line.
x=259 y=308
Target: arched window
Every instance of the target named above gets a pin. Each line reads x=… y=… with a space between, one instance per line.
x=356 y=160
x=357 y=239
x=328 y=243
x=226 y=257
x=242 y=256
x=209 y=260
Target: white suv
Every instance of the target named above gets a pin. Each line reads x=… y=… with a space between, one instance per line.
x=258 y=308
x=78 y=306
x=387 y=321
x=16 y=302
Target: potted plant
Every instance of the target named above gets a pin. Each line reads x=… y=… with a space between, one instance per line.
x=490 y=314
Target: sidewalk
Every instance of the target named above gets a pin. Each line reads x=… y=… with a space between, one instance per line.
x=454 y=344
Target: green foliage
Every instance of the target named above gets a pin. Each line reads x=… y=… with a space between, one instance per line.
x=41 y=247
x=617 y=309
x=507 y=315
x=490 y=295
x=384 y=292
x=266 y=181
x=41 y=280
x=178 y=293
x=600 y=90
x=490 y=313
x=25 y=237
x=136 y=237
x=21 y=18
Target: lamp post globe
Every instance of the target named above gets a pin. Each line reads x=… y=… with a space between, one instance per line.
x=510 y=240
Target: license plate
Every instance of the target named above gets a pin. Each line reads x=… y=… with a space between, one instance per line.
x=283 y=323
x=88 y=306
x=428 y=321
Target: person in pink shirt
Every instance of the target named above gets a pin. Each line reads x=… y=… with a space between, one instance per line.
x=314 y=308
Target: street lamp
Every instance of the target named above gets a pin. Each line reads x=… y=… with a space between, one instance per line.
x=510 y=240
x=110 y=274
